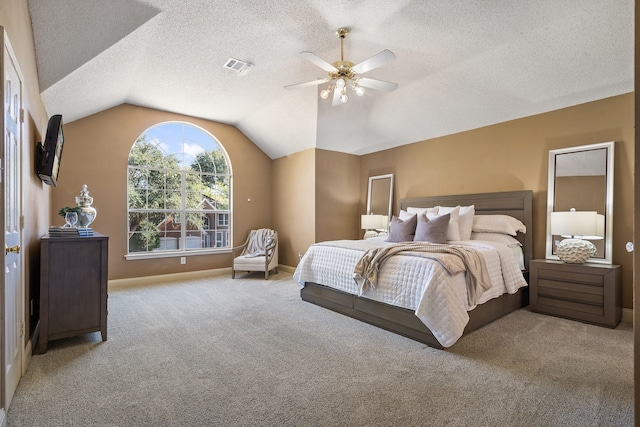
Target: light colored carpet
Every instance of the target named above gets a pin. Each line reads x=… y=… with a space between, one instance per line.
x=249 y=352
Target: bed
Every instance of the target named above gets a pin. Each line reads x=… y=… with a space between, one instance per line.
x=405 y=321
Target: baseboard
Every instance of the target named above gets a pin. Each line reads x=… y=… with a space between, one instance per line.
x=173 y=277
x=627 y=315
x=287 y=268
x=27 y=353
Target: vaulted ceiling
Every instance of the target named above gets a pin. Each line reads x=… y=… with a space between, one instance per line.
x=459 y=64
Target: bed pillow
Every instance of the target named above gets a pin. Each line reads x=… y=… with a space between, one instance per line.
x=433 y=231
x=453 y=232
x=465 y=219
x=511 y=242
x=423 y=211
x=402 y=231
x=496 y=237
x=504 y=224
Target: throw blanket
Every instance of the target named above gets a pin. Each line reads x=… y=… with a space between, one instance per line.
x=454 y=259
x=259 y=240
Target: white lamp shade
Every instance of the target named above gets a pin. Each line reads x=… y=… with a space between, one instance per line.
x=581 y=224
x=374 y=222
x=599 y=235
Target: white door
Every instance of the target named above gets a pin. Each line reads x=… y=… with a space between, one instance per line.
x=12 y=227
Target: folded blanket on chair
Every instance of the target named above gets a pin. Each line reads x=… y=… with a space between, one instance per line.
x=259 y=240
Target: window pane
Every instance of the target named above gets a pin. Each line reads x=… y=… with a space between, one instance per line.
x=174 y=181
x=194 y=180
x=155 y=179
x=138 y=177
x=137 y=199
x=153 y=199
x=143 y=234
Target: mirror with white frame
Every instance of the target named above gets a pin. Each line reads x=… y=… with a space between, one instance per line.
x=380 y=195
x=581 y=178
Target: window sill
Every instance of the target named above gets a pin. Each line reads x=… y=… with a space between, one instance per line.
x=174 y=254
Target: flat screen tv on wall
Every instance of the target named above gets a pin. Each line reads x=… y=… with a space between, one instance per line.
x=50 y=152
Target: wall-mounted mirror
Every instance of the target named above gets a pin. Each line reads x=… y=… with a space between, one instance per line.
x=581 y=178
x=380 y=196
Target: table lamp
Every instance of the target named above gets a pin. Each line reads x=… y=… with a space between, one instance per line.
x=374 y=224
x=577 y=227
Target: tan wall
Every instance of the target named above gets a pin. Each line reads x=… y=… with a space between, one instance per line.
x=337 y=196
x=514 y=156
x=294 y=204
x=14 y=17
x=96 y=152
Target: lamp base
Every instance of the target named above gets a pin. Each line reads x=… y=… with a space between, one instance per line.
x=575 y=251
x=370 y=233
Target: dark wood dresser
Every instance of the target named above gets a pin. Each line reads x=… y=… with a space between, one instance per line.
x=590 y=293
x=73 y=287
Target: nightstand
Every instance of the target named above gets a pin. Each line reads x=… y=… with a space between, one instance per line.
x=590 y=293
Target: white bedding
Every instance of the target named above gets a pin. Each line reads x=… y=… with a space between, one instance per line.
x=419 y=284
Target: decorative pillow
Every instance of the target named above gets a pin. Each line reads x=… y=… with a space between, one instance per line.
x=404 y=215
x=504 y=224
x=423 y=211
x=434 y=231
x=465 y=219
x=453 y=232
x=496 y=237
x=402 y=231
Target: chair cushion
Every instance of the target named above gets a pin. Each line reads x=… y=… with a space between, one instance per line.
x=249 y=264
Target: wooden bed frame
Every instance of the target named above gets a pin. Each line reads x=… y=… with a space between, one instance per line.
x=517 y=204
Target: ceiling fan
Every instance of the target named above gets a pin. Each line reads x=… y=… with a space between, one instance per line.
x=345 y=74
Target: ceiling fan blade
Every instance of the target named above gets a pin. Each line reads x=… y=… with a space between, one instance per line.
x=306 y=84
x=336 y=98
x=315 y=59
x=377 y=84
x=375 y=61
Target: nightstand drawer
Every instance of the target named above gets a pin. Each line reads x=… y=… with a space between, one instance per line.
x=570 y=276
x=586 y=292
x=570 y=291
x=569 y=305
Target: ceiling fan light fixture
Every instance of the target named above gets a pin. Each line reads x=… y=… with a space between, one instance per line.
x=344 y=98
x=359 y=90
x=340 y=83
x=324 y=94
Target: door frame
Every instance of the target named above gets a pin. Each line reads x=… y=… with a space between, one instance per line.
x=21 y=292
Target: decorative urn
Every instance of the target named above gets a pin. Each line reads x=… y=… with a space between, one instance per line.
x=88 y=214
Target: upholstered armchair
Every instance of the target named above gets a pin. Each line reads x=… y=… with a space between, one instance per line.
x=258 y=253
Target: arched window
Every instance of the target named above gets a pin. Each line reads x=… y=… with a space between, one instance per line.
x=179 y=188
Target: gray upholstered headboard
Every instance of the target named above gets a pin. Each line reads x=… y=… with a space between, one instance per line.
x=518 y=204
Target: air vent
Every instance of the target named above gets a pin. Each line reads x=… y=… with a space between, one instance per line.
x=240 y=67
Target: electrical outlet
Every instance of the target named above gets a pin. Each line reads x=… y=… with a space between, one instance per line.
x=183 y=260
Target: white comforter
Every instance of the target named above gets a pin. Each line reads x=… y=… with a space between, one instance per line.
x=419 y=284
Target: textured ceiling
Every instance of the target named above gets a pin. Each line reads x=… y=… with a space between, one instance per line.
x=460 y=64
